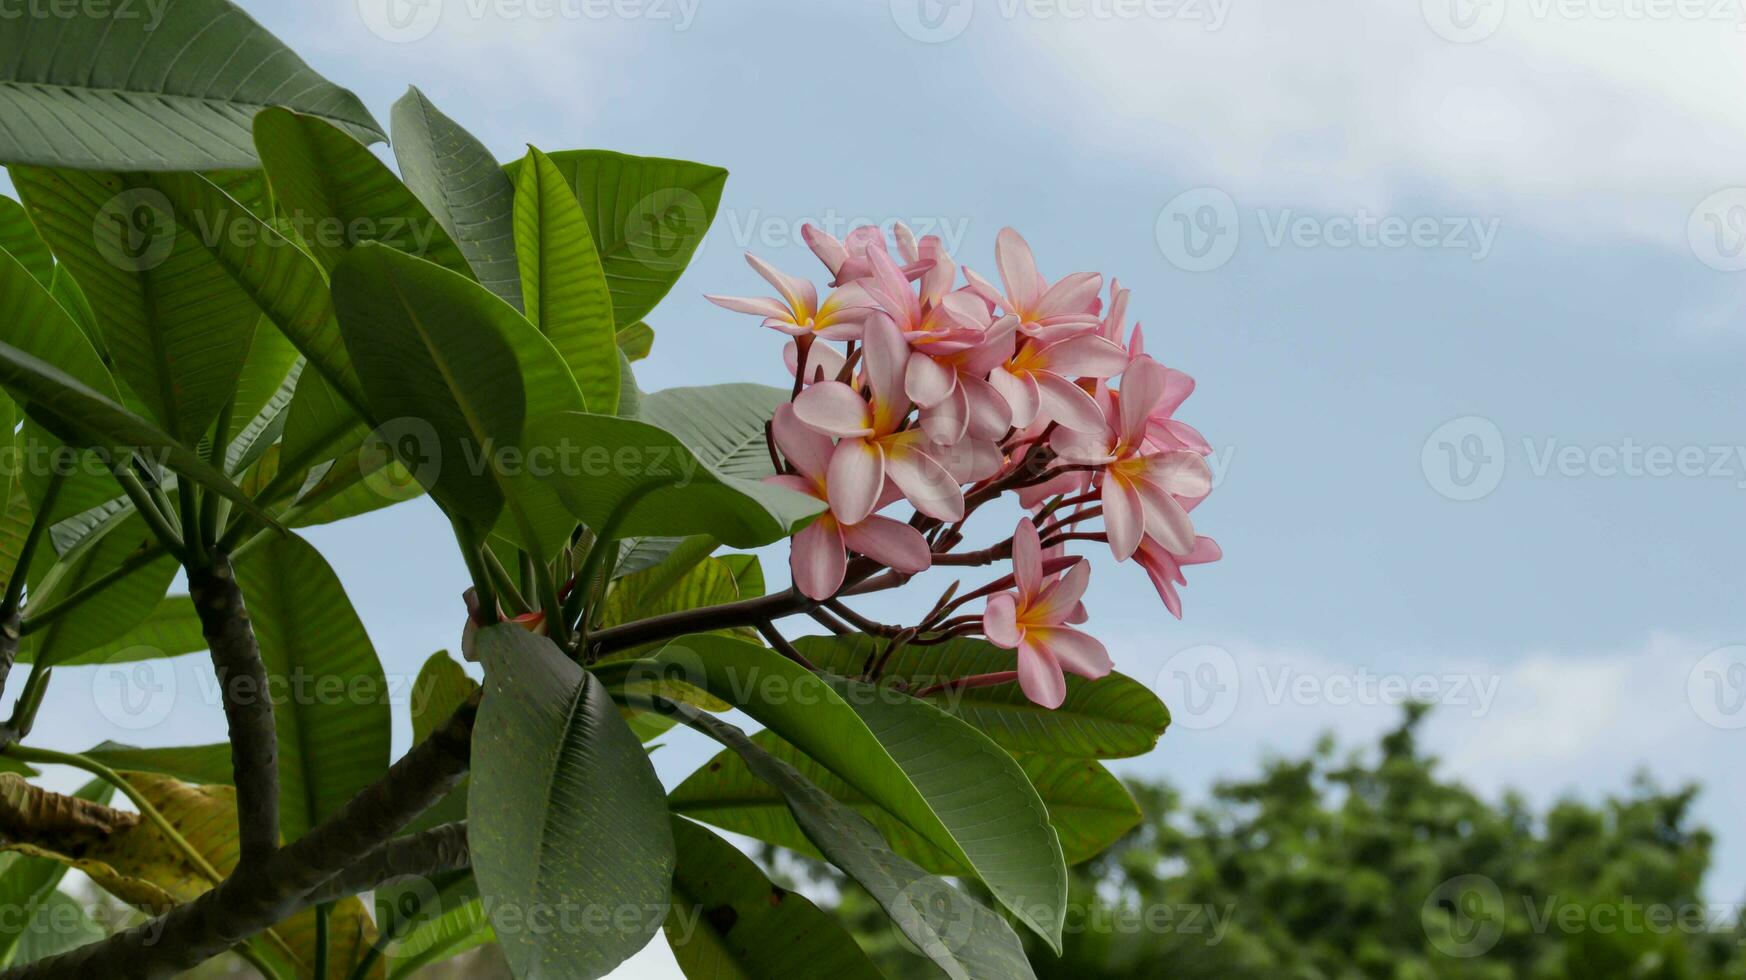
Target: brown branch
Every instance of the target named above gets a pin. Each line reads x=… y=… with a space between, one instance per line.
x=432 y=852
x=248 y=705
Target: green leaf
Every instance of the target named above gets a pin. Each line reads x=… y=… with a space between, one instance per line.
x=170 y=86
x=440 y=688
x=563 y=288
x=32 y=321
x=330 y=695
x=1114 y=717
x=282 y=279
x=648 y=216
x=460 y=182
x=57 y=924
x=20 y=240
x=171 y=629
x=83 y=417
x=203 y=765
x=336 y=194
x=636 y=340
x=643 y=481
x=748 y=574
x=565 y=816
x=122 y=605
x=907 y=757
x=1088 y=807
x=996 y=827
x=729 y=920
x=175 y=326
x=723 y=424
x=960 y=936
x=451 y=373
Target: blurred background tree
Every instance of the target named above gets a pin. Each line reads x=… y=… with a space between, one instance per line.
x=1369 y=864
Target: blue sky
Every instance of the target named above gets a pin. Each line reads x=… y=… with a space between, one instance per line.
x=1546 y=287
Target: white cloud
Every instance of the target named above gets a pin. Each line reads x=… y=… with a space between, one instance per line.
x=1576 y=123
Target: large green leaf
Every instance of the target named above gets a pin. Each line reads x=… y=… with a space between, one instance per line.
x=722 y=424
x=636 y=340
x=287 y=284
x=563 y=288
x=1088 y=807
x=1110 y=718
x=19 y=239
x=169 y=85
x=331 y=696
x=58 y=923
x=960 y=936
x=84 y=417
x=120 y=606
x=336 y=194
x=566 y=820
x=440 y=688
x=643 y=481
x=202 y=765
x=174 y=324
x=648 y=216
x=461 y=183
x=33 y=322
x=452 y=373
x=948 y=784
x=730 y=921
x=171 y=629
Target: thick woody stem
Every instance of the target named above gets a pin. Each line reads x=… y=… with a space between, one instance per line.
x=431 y=852
x=248 y=705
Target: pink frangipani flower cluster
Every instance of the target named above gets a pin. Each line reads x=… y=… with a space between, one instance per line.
x=911 y=388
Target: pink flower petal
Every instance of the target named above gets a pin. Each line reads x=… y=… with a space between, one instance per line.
x=855 y=478
x=1077 y=652
x=1183 y=474
x=823 y=362
x=1142 y=391
x=1124 y=517
x=1067 y=403
x=800 y=295
x=758 y=306
x=1018 y=269
x=886 y=356
x=1073 y=295
x=1027 y=561
x=925 y=483
x=890 y=542
x=1000 y=620
x=1040 y=676
x=817 y=559
x=1165 y=519
x=1088 y=356
x=1020 y=394
x=807 y=449
x=989 y=414
x=927 y=381
x=1059 y=598
x=834 y=409
x=947 y=422
x=829 y=251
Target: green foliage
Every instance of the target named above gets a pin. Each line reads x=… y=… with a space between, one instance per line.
x=556 y=774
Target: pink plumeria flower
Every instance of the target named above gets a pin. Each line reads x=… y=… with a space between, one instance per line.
x=818 y=557
x=847 y=259
x=935 y=318
x=798 y=313
x=1036 y=620
x=953 y=389
x=1167 y=433
x=1047 y=312
x=875 y=444
x=1141 y=489
x=1039 y=381
x=1165 y=569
